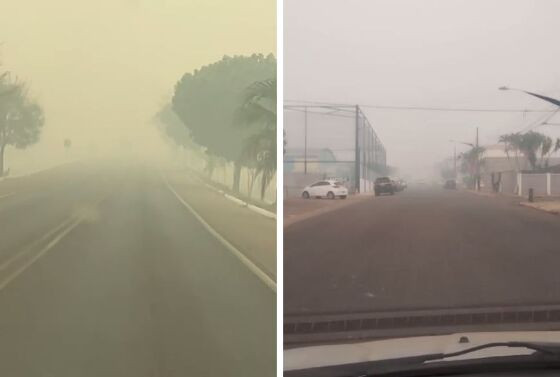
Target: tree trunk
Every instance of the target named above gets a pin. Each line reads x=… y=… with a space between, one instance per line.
x=2 y=148
x=236 y=176
x=263 y=186
x=252 y=177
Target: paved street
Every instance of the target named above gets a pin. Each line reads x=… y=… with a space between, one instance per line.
x=103 y=272
x=421 y=249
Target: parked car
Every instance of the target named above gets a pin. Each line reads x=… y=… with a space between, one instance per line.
x=329 y=189
x=384 y=185
x=450 y=184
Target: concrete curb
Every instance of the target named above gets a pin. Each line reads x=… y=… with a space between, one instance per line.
x=261 y=211
x=242 y=203
x=534 y=206
x=236 y=200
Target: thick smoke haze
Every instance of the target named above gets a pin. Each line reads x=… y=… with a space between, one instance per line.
x=102 y=69
x=435 y=53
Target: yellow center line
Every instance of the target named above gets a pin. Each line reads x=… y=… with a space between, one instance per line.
x=63 y=229
x=2 y=196
x=30 y=248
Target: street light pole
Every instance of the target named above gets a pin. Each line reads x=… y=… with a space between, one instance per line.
x=305 y=144
x=477 y=163
x=455 y=162
x=357 y=147
x=544 y=98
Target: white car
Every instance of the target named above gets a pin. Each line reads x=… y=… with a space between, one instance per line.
x=325 y=189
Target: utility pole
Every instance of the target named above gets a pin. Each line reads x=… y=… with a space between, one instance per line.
x=455 y=162
x=305 y=144
x=477 y=162
x=357 y=146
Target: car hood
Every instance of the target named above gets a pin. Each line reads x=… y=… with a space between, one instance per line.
x=329 y=355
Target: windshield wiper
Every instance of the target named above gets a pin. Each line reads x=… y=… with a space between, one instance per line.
x=550 y=350
x=544 y=348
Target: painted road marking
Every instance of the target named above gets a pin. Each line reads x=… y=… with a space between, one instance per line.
x=41 y=252
x=30 y=248
x=263 y=276
x=2 y=196
x=63 y=229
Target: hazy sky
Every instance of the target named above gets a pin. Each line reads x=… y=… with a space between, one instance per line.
x=450 y=53
x=102 y=68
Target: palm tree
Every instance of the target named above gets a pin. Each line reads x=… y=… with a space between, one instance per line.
x=258 y=107
x=535 y=146
x=512 y=142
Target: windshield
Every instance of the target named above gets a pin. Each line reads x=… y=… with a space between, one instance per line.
x=446 y=133
x=137 y=188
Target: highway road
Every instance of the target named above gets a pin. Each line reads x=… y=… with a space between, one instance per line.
x=424 y=248
x=103 y=272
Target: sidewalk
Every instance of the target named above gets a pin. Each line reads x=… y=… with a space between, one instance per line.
x=250 y=232
x=299 y=209
x=551 y=206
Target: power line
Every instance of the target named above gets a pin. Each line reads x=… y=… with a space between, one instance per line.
x=332 y=114
x=539 y=122
x=425 y=108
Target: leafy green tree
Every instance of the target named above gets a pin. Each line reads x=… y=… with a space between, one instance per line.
x=172 y=128
x=471 y=162
x=207 y=102
x=21 y=119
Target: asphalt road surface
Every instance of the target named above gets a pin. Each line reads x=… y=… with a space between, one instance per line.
x=422 y=249
x=103 y=272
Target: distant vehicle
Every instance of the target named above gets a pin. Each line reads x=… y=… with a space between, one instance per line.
x=384 y=185
x=400 y=184
x=329 y=189
x=450 y=184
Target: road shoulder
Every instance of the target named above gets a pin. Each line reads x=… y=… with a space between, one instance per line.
x=250 y=232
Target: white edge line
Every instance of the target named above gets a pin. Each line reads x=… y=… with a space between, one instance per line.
x=246 y=261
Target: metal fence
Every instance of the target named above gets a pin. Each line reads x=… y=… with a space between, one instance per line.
x=324 y=141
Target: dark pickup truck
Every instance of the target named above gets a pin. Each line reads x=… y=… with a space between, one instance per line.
x=384 y=185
